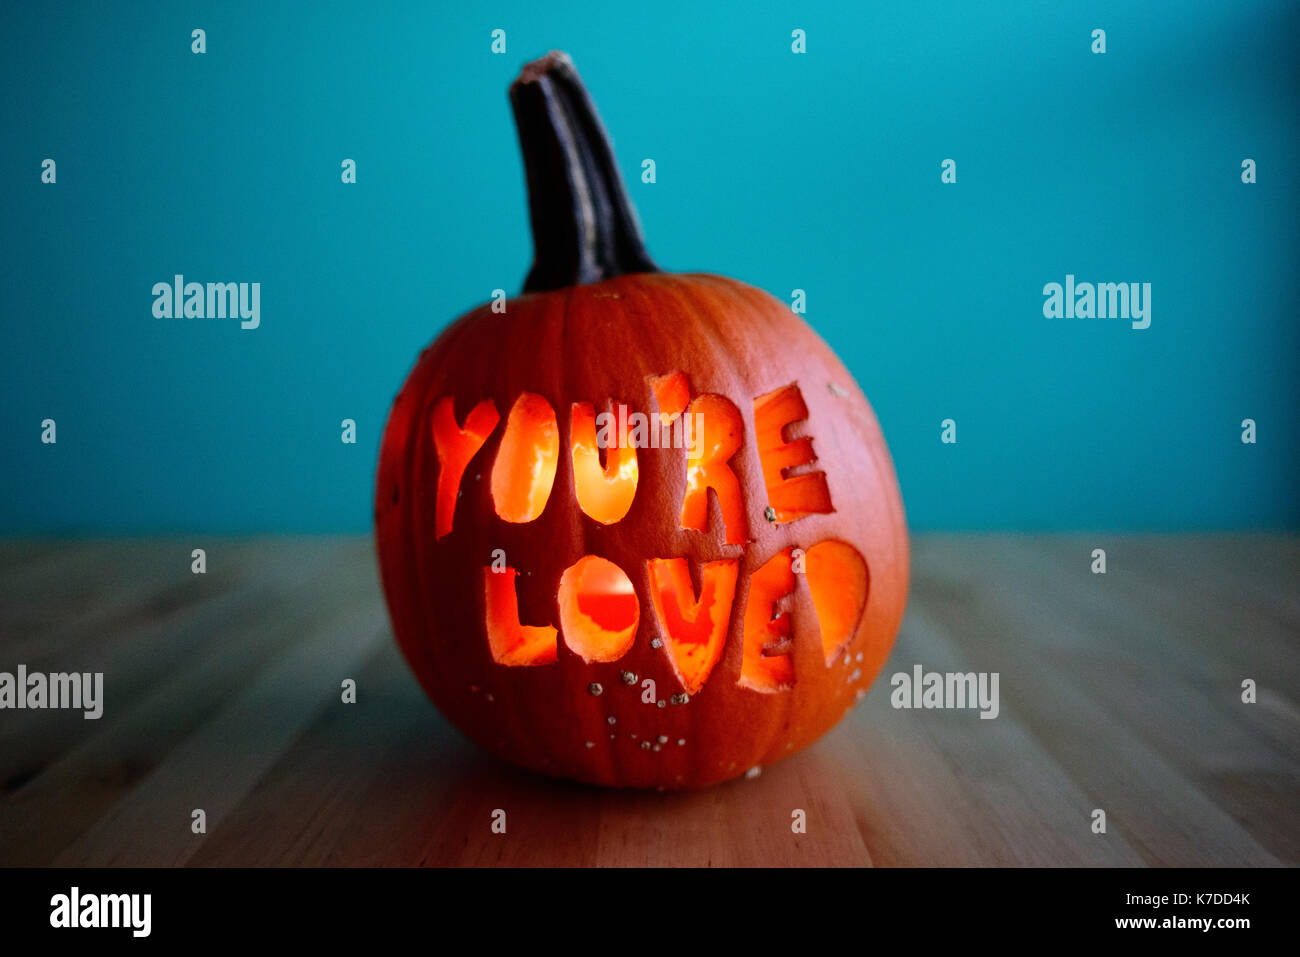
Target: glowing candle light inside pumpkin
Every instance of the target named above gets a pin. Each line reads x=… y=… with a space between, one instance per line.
x=524 y=470
x=599 y=611
x=603 y=492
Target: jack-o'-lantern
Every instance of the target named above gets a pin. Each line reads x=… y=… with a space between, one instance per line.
x=634 y=528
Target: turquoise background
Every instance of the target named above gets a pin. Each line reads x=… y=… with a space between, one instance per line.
x=818 y=171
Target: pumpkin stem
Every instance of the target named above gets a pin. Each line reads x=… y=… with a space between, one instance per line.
x=584 y=226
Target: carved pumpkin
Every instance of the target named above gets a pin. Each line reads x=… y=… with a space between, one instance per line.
x=637 y=529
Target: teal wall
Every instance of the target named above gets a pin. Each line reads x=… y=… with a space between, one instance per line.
x=819 y=171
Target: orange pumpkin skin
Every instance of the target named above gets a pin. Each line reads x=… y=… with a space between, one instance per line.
x=605 y=341
x=600 y=325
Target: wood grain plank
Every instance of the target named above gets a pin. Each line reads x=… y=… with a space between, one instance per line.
x=136 y=657
x=1186 y=702
x=220 y=764
x=1118 y=691
x=364 y=784
x=70 y=597
x=159 y=696
x=421 y=794
x=993 y=781
x=1060 y=670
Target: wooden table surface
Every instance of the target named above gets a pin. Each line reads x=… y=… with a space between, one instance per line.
x=1119 y=691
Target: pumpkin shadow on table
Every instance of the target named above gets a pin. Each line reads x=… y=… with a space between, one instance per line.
x=502 y=814
x=479 y=810
x=425 y=794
